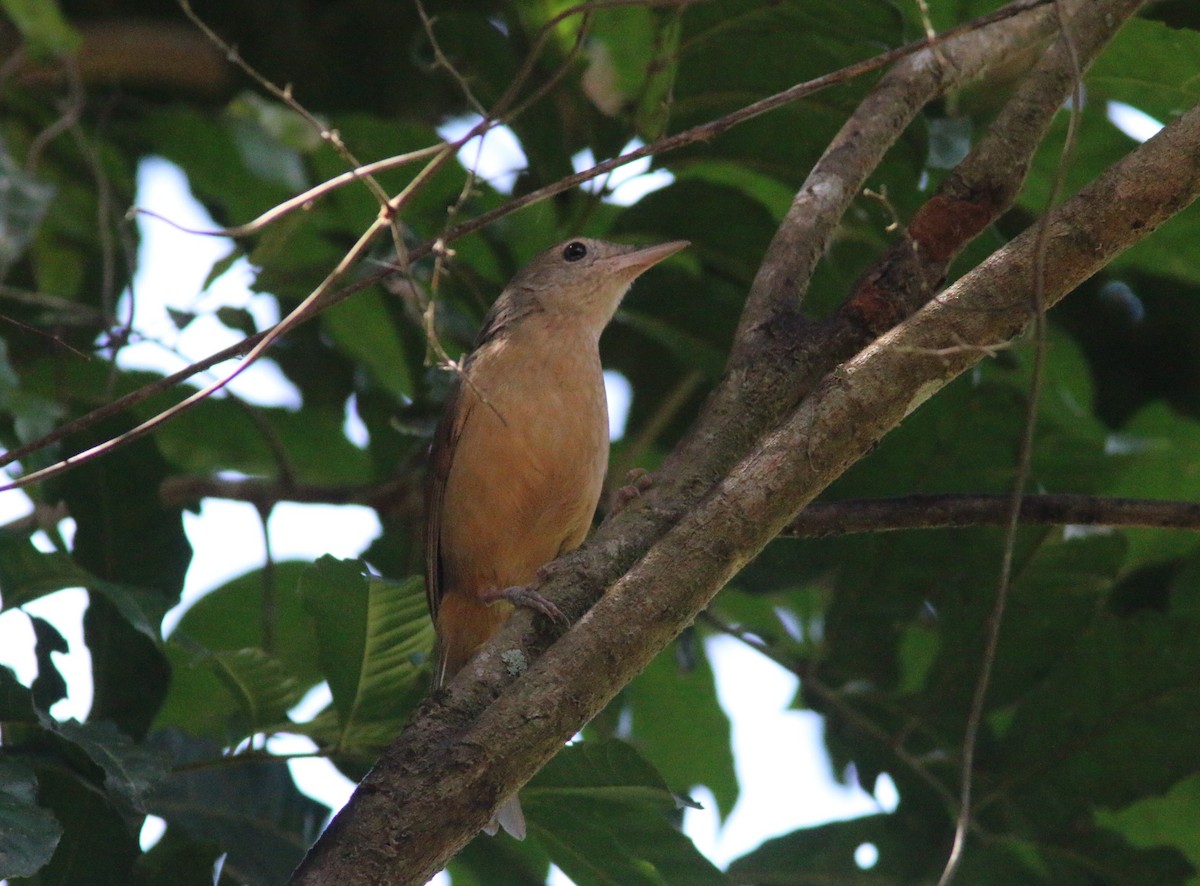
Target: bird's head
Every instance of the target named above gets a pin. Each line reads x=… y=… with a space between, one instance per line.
x=586 y=278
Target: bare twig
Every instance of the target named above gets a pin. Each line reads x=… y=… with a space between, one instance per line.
x=1065 y=46
x=330 y=136
x=183 y=490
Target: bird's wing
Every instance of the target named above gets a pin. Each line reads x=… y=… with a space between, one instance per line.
x=441 y=455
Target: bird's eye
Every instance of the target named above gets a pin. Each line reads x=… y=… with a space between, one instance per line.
x=574 y=251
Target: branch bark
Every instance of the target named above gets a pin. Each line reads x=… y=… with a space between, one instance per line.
x=477 y=742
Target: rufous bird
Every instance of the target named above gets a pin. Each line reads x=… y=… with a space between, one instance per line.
x=519 y=456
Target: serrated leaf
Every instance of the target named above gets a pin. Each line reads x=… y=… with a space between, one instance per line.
x=372 y=635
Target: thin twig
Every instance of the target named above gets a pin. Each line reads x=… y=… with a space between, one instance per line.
x=995 y=620
x=329 y=136
x=301 y=200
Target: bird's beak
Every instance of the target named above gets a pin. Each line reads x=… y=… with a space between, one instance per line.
x=639 y=260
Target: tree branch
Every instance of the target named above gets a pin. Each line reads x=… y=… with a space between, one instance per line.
x=833 y=518
x=472 y=745
x=777 y=355
x=184 y=490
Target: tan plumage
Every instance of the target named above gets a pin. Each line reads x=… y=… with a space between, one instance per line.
x=520 y=454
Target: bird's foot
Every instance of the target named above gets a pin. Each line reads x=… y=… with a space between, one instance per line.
x=637 y=481
x=527 y=597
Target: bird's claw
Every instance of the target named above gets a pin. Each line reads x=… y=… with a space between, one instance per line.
x=527 y=597
x=637 y=481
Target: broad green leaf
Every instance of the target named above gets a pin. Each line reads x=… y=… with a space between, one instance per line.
x=97 y=846
x=261 y=687
x=826 y=853
x=602 y=812
x=678 y=725
x=1161 y=454
x=124 y=534
x=1150 y=66
x=178 y=860
x=364 y=328
x=1130 y=682
x=251 y=810
x=132 y=770
x=28 y=832
x=372 y=636
x=27 y=574
x=43 y=26
x=1165 y=820
x=223 y=684
x=232 y=617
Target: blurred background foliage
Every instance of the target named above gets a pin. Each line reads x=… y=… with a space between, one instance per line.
x=1088 y=769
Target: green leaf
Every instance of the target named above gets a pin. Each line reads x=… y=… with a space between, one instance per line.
x=1149 y=66
x=124 y=535
x=602 y=812
x=668 y=694
x=366 y=331
x=826 y=854
x=227 y=625
x=178 y=860
x=16 y=700
x=232 y=617
x=1166 y=820
x=27 y=574
x=1129 y=683
x=250 y=809
x=373 y=636
x=260 y=685
x=97 y=846
x=29 y=833
x=131 y=770
x=43 y=26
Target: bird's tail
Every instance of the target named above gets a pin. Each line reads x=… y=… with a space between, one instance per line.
x=510 y=817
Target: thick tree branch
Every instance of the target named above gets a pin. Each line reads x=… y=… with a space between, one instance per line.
x=832 y=518
x=472 y=745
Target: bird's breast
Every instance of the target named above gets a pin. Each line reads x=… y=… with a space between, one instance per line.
x=529 y=461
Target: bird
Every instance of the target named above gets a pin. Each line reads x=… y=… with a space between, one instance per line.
x=519 y=455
